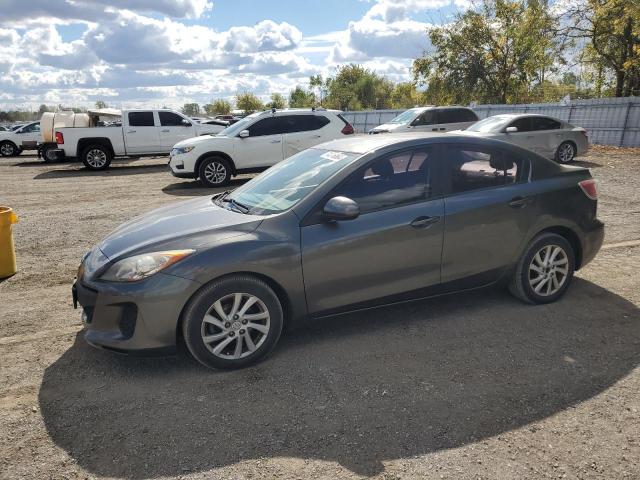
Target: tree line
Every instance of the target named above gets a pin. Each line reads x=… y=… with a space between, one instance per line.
x=499 y=51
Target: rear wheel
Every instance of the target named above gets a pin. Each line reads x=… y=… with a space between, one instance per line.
x=545 y=270
x=9 y=149
x=48 y=154
x=566 y=152
x=233 y=322
x=214 y=172
x=96 y=157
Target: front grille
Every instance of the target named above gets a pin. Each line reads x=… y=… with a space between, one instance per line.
x=128 y=317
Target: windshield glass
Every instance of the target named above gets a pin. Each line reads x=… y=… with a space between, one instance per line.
x=288 y=182
x=240 y=125
x=490 y=124
x=406 y=117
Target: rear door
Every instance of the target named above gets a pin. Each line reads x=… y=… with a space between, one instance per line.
x=263 y=146
x=487 y=214
x=303 y=131
x=455 y=119
x=525 y=137
x=173 y=129
x=393 y=248
x=548 y=135
x=141 y=133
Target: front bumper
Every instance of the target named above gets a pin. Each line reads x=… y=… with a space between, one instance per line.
x=133 y=317
x=180 y=166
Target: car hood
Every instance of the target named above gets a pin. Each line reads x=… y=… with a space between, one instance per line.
x=194 y=224
x=206 y=138
x=389 y=127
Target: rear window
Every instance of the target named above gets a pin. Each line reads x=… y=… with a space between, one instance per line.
x=302 y=123
x=456 y=115
x=141 y=119
x=545 y=123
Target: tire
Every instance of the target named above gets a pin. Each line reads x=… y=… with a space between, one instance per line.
x=214 y=172
x=9 y=149
x=566 y=152
x=46 y=153
x=226 y=332
x=533 y=279
x=96 y=157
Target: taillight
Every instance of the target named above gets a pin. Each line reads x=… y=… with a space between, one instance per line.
x=59 y=138
x=348 y=129
x=589 y=188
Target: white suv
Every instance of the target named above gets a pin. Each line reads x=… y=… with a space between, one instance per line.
x=25 y=137
x=429 y=119
x=255 y=143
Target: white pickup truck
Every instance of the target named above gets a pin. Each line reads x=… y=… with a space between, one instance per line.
x=139 y=133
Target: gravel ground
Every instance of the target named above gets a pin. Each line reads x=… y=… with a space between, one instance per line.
x=471 y=386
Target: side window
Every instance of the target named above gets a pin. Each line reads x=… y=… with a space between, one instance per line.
x=545 y=123
x=303 y=123
x=141 y=119
x=522 y=124
x=450 y=115
x=391 y=181
x=170 y=119
x=34 y=127
x=467 y=115
x=426 y=118
x=472 y=168
x=267 y=126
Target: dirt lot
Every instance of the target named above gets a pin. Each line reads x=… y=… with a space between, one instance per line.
x=471 y=386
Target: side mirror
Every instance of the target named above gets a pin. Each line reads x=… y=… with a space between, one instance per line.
x=244 y=134
x=341 y=208
x=511 y=129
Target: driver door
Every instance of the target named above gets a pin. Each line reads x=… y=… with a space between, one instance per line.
x=393 y=248
x=173 y=129
x=263 y=146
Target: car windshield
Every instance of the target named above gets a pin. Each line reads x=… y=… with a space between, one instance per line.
x=489 y=124
x=240 y=125
x=288 y=182
x=406 y=117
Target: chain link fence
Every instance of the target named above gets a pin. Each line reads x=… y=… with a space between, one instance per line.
x=609 y=121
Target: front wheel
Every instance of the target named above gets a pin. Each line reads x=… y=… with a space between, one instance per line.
x=8 y=149
x=233 y=322
x=96 y=157
x=565 y=153
x=48 y=153
x=545 y=270
x=214 y=172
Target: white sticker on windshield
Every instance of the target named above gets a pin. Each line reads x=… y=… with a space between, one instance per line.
x=334 y=156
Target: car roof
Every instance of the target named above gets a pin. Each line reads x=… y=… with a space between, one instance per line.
x=366 y=143
x=513 y=116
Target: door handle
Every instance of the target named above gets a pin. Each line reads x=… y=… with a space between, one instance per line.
x=519 y=202
x=275 y=141
x=424 y=222
x=434 y=129
x=165 y=131
x=317 y=136
x=131 y=131
x=443 y=129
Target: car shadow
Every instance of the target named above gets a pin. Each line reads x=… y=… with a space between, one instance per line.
x=113 y=171
x=195 y=188
x=586 y=164
x=357 y=389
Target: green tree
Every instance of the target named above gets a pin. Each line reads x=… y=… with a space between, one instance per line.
x=248 y=103
x=495 y=53
x=355 y=88
x=101 y=104
x=301 y=98
x=218 y=107
x=191 y=109
x=277 y=101
x=405 y=95
x=43 y=108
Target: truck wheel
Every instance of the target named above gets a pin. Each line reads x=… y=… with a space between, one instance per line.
x=214 y=172
x=8 y=149
x=48 y=154
x=96 y=157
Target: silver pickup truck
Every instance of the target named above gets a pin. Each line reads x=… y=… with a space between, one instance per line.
x=131 y=133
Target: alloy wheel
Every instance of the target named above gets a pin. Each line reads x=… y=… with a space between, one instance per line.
x=565 y=153
x=6 y=149
x=548 y=270
x=215 y=172
x=235 y=326
x=96 y=158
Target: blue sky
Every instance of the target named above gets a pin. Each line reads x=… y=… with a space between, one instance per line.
x=169 y=52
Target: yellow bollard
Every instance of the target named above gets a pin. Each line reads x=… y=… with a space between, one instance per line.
x=7 y=252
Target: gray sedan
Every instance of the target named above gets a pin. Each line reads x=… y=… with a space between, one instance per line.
x=550 y=137
x=350 y=224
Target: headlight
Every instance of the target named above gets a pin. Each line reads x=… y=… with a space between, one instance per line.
x=181 y=150
x=142 y=266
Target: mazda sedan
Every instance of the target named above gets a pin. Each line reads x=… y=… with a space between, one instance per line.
x=350 y=224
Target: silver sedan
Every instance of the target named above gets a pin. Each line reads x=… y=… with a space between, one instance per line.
x=547 y=136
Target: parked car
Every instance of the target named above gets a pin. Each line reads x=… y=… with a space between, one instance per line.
x=25 y=137
x=219 y=125
x=4 y=128
x=255 y=143
x=349 y=224
x=143 y=133
x=429 y=119
x=550 y=137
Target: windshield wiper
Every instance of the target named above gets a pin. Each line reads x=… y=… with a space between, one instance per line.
x=242 y=208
